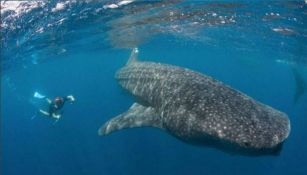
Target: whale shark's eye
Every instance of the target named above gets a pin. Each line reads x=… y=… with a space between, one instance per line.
x=246 y=144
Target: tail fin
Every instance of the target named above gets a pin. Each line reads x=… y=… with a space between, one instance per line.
x=133 y=56
x=300 y=84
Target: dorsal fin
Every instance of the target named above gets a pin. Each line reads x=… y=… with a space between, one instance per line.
x=136 y=116
x=133 y=56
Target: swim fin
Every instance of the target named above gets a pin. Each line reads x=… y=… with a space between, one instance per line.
x=38 y=95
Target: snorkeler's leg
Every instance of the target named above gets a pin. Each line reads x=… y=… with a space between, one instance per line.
x=48 y=100
x=56 y=116
x=44 y=112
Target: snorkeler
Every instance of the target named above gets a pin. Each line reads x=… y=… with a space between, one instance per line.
x=56 y=105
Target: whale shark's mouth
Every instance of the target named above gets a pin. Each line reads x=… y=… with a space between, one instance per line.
x=233 y=148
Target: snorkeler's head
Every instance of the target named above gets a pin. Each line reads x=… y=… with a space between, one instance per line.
x=58 y=100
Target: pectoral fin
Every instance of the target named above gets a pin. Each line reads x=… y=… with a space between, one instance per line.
x=136 y=116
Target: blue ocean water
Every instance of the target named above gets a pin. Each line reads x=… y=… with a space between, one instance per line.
x=67 y=47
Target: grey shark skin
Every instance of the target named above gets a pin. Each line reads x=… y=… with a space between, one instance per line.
x=196 y=108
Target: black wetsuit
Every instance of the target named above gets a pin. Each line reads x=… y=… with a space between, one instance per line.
x=56 y=107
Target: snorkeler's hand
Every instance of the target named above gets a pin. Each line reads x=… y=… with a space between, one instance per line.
x=71 y=98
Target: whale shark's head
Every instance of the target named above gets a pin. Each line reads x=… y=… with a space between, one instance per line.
x=266 y=132
x=254 y=135
x=264 y=137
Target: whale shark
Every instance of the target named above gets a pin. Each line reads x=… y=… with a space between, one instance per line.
x=196 y=109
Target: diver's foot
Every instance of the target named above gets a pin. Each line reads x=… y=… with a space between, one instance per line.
x=56 y=116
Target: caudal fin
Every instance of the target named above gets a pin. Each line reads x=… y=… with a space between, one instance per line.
x=300 y=84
